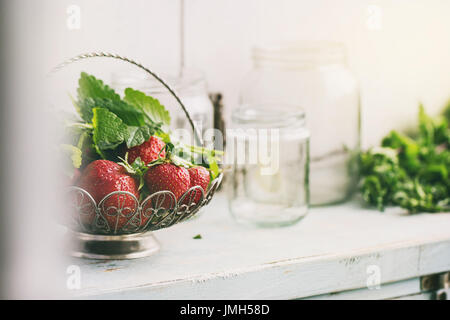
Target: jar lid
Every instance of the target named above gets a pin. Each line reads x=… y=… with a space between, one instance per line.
x=269 y=115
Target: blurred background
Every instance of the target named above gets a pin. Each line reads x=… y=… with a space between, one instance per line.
x=398 y=50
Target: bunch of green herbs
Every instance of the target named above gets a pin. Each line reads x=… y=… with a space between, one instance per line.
x=410 y=171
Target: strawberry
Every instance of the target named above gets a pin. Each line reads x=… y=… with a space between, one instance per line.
x=102 y=177
x=148 y=151
x=199 y=176
x=169 y=177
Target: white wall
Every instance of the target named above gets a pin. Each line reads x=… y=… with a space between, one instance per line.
x=403 y=62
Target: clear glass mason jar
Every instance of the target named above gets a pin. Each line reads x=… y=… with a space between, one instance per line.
x=315 y=76
x=268 y=182
x=190 y=85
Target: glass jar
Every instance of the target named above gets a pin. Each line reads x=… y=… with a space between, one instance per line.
x=268 y=182
x=315 y=76
x=191 y=87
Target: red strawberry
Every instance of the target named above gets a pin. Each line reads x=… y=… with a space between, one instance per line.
x=199 y=177
x=102 y=177
x=167 y=176
x=148 y=151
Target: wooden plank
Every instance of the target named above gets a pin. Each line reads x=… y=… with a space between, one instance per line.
x=283 y=280
x=393 y=290
x=331 y=250
x=418 y=296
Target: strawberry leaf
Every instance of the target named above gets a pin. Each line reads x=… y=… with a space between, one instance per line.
x=138 y=169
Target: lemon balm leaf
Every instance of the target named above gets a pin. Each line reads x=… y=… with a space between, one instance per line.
x=151 y=107
x=91 y=87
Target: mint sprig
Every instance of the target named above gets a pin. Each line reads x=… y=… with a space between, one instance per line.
x=109 y=129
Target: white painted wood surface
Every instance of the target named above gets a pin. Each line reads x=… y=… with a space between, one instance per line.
x=329 y=251
x=394 y=290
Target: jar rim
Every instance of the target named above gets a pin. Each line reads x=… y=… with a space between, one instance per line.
x=270 y=115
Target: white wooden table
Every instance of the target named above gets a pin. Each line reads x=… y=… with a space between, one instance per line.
x=339 y=251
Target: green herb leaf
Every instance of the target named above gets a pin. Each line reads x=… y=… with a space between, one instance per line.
x=109 y=129
x=130 y=115
x=74 y=153
x=138 y=135
x=138 y=168
x=213 y=167
x=91 y=87
x=410 y=172
x=154 y=111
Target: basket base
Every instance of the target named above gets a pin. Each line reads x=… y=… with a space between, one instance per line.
x=90 y=246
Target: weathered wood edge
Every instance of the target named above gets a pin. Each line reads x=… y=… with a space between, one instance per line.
x=299 y=277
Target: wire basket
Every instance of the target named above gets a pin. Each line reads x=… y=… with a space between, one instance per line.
x=121 y=213
x=120 y=226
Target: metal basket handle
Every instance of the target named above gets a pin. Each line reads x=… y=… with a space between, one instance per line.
x=197 y=135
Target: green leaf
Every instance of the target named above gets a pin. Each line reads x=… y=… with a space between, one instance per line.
x=199 y=236
x=446 y=111
x=84 y=136
x=213 y=167
x=74 y=153
x=138 y=168
x=426 y=126
x=408 y=149
x=130 y=115
x=91 y=87
x=154 y=111
x=138 y=135
x=410 y=172
x=109 y=129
